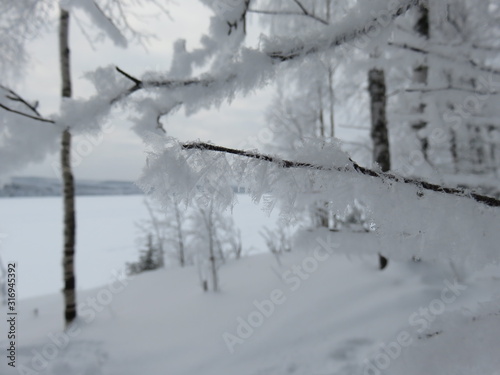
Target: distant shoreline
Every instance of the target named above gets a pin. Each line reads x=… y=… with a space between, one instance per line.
x=52 y=187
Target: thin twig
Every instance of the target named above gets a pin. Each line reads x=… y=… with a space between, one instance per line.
x=14 y=96
x=471 y=63
x=287 y=13
x=463 y=89
x=133 y=79
x=26 y=115
x=306 y=13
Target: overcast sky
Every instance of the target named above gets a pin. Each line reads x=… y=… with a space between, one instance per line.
x=121 y=155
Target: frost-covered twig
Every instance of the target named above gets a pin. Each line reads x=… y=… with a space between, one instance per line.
x=283 y=163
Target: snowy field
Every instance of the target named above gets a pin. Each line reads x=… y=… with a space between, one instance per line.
x=324 y=309
x=340 y=317
x=106 y=238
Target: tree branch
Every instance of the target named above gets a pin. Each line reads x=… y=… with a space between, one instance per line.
x=287 y=13
x=27 y=115
x=15 y=97
x=472 y=63
x=277 y=56
x=306 y=12
x=462 y=89
x=283 y=163
x=169 y=84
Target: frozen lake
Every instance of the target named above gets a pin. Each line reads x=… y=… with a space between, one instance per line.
x=31 y=235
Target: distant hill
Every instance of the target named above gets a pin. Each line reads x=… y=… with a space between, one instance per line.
x=48 y=187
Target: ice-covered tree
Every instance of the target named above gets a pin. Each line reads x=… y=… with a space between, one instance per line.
x=451 y=90
x=214 y=237
x=278 y=239
x=168 y=227
x=150 y=258
x=305 y=105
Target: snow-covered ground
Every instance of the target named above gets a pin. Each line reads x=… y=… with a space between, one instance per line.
x=31 y=235
x=334 y=316
x=315 y=312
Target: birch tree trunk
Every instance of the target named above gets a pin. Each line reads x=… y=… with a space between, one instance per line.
x=68 y=182
x=379 y=133
x=421 y=77
x=180 y=237
x=213 y=265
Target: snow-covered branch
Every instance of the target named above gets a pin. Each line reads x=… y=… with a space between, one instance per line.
x=283 y=163
x=276 y=52
x=166 y=84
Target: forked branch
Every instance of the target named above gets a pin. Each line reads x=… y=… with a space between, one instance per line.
x=15 y=97
x=26 y=114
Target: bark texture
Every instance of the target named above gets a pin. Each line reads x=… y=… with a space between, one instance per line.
x=379 y=132
x=68 y=181
x=421 y=78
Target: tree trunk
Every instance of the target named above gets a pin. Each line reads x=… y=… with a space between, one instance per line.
x=379 y=132
x=213 y=265
x=68 y=182
x=421 y=77
x=180 y=238
x=332 y=102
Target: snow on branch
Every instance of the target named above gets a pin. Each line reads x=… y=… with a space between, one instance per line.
x=489 y=201
x=167 y=84
x=411 y=217
x=367 y=27
x=255 y=62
